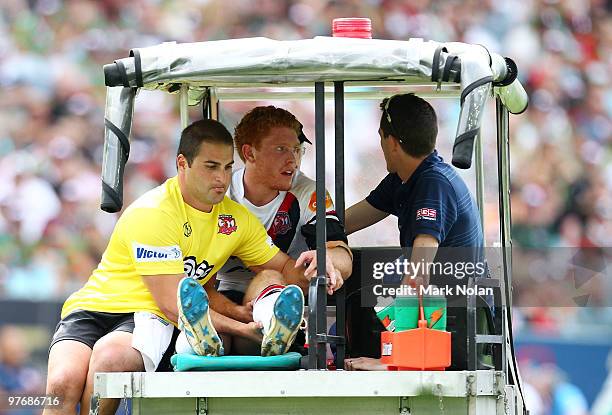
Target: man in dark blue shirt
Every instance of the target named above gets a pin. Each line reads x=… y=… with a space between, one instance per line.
x=433 y=204
x=437 y=216
x=434 y=201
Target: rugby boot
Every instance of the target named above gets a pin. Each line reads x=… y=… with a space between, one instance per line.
x=194 y=319
x=285 y=323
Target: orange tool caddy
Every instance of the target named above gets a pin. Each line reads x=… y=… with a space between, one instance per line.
x=421 y=348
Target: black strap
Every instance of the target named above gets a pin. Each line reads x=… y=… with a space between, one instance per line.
x=458 y=75
x=511 y=73
x=123 y=140
x=450 y=60
x=335 y=232
x=115 y=199
x=465 y=136
x=475 y=85
x=137 y=67
x=463 y=149
x=435 y=65
x=122 y=73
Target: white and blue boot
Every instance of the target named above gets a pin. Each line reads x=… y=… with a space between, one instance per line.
x=285 y=323
x=194 y=319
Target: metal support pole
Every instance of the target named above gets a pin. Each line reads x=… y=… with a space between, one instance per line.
x=504 y=218
x=206 y=111
x=214 y=104
x=503 y=148
x=339 y=150
x=472 y=358
x=339 y=191
x=317 y=318
x=503 y=155
x=480 y=179
x=471 y=311
x=183 y=105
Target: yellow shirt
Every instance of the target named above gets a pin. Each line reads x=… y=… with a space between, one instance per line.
x=160 y=234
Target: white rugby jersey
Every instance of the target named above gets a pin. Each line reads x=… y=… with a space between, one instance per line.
x=289 y=219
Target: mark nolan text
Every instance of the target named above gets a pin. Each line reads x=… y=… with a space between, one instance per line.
x=432 y=290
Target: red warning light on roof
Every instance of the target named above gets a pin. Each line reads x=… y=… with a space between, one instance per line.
x=359 y=27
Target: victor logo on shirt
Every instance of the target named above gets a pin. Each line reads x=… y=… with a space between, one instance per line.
x=427 y=214
x=148 y=253
x=227 y=224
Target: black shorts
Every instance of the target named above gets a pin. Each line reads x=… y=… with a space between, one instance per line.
x=233 y=295
x=88 y=327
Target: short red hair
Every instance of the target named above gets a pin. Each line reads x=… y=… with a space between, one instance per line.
x=258 y=122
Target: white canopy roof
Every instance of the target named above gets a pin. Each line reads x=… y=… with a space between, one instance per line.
x=262 y=61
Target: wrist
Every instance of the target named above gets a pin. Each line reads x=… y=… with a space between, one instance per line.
x=243 y=314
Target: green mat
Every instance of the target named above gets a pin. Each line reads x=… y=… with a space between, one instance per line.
x=184 y=362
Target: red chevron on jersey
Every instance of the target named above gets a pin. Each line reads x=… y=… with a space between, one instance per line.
x=282 y=221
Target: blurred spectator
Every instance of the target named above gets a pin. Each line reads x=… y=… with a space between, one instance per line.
x=51 y=54
x=558 y=396
x=16 y=376
x=603 y=403
x=533 y=401
x=546 y=389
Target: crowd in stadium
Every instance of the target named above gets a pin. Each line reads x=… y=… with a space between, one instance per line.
x=51 y=134
x=52 y=232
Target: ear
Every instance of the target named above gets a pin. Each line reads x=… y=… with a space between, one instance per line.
x=247 y=152
x=395 y=144
x=181 y=162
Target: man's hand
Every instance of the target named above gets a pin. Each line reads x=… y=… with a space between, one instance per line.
x=253 y=331
x=309 y=259
x=424 y=250
x=245 y=312
x=339 y=283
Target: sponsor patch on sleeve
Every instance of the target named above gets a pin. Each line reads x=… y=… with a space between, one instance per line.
x=148 y=253
x=426 y=214
x=312 y=205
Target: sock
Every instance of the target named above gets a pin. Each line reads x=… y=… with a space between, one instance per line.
x=263 y=306
x=182 y=345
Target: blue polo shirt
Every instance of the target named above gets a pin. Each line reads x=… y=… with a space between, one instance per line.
x=433 y=201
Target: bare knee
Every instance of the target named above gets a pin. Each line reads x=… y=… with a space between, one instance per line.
x=262 y=280
x=270 y=276
x=109 y=357
x=67 y=372
x=67 y=384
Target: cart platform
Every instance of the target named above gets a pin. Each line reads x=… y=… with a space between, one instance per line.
x=312 y=392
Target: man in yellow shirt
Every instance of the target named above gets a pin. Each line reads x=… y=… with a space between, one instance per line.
x=271 y=143
x=185 y=227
